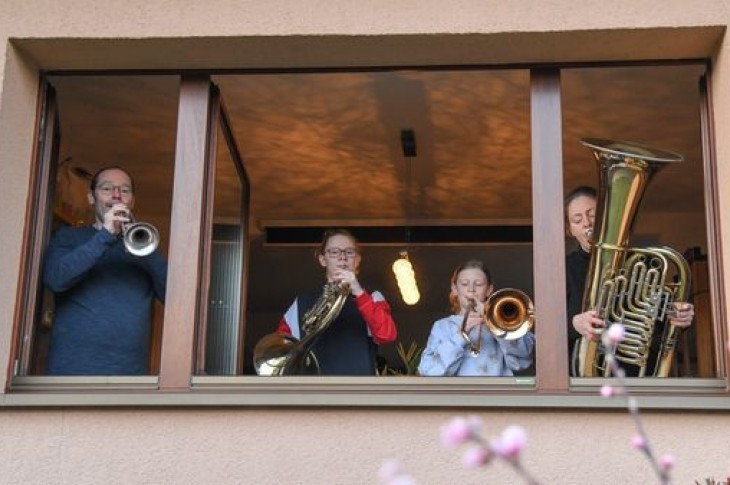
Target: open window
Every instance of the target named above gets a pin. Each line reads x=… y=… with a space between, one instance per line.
x=662 y=107
x=326 y=150
x=91 y=122
x=241 y=190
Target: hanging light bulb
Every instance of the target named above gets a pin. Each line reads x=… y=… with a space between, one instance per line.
x=406 y=278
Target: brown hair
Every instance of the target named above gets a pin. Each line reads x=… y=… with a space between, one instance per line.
x=471 y=264
x=329 y=234
x=582 y=191
x=95 y=177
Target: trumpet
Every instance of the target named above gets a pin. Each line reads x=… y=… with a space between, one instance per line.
x=473 y=348
x=508 y=314
x=139 y=238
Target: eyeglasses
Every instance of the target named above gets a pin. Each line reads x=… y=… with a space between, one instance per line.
x=335 y=253
x=108 y=189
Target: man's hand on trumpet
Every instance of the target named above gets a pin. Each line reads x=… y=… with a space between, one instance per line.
x=115 y=218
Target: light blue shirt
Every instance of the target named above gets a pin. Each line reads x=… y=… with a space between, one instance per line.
x=448 y=354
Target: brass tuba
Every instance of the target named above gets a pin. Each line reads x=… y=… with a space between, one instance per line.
x=636 y=287
x=281 y=355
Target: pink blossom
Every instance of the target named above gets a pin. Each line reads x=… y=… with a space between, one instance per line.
x=615 y=334
x=667 y=461
x=390 y=473
x=475 y=424
x=511 y=442
x=389 y=469
x=402 y=480
x=455 y=432
x=608 y=391
x=638 y=442
x=475 y=457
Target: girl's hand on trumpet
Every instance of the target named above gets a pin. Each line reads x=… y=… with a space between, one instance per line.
x=476 y=315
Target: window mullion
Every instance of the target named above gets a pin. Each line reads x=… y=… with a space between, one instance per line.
x=548 y=241
x=184 y=276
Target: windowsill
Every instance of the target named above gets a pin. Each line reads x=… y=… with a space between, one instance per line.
x=364 y=392
x=43 y=384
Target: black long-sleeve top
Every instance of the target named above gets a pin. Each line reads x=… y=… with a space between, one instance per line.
x=576 y=271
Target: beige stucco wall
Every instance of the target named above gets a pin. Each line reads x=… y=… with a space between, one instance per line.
x=331 y=447
x=240 y=445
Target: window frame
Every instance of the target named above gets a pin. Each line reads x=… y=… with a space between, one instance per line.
x=179 y=383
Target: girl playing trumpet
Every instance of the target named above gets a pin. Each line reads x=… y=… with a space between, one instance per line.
x=461 y=344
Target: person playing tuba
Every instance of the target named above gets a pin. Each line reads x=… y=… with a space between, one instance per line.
x=580 y=213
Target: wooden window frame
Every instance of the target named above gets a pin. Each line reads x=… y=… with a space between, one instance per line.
x=177 y=383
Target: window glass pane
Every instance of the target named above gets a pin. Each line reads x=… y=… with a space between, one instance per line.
x=326 y=150
x=658 y=106
x=101 y=314
x=223 y=349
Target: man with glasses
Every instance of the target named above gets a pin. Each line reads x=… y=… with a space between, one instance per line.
x=103 y=294
x=349 y=345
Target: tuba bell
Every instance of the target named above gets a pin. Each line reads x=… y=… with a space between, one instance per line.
x=636 y=287
x=281 y=355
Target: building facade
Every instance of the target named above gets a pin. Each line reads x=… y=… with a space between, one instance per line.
x=181 y=425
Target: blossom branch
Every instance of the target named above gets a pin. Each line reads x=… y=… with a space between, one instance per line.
x=640 y=441
x=508 y=446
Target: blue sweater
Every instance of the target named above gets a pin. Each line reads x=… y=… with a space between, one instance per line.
x=103 y=303
x=446 y=353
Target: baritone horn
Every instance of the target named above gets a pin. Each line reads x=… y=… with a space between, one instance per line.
x=139 y=238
